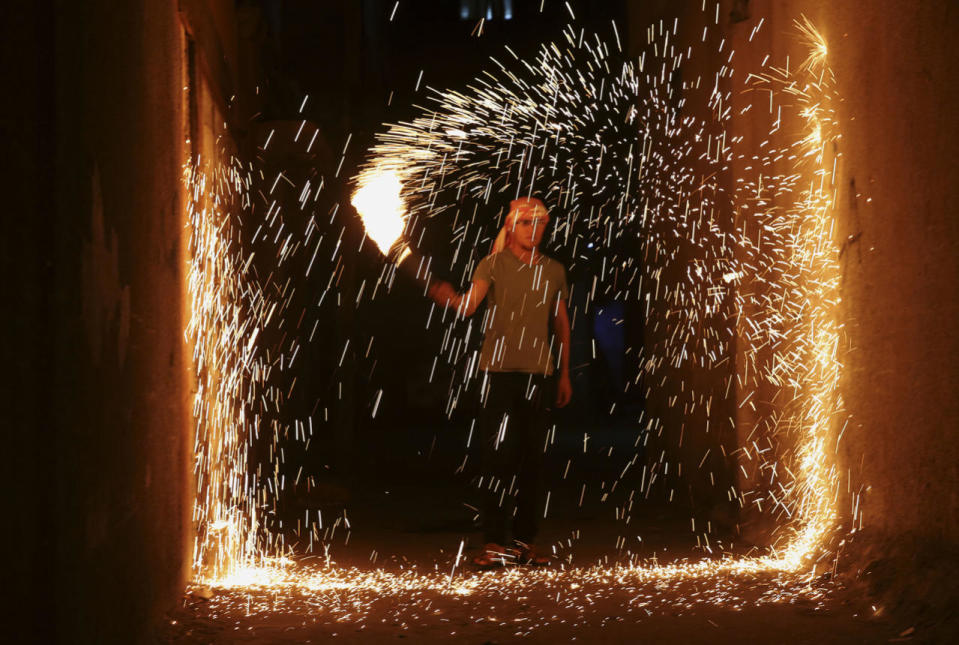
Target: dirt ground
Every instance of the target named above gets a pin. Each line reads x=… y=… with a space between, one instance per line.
x=529 y=611
x=406 y=584
x=392 y=575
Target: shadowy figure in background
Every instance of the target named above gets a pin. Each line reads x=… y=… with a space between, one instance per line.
x=527 y=294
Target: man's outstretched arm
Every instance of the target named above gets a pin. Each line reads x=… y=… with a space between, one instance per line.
x=441 y=292
x=564 y=387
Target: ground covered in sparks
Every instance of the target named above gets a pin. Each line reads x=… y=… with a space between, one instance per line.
x=305 y=602
x=394 y=573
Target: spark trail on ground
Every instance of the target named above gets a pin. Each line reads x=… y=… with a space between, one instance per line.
x=702 y=227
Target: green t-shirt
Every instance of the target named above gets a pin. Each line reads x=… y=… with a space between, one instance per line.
x=520 y=302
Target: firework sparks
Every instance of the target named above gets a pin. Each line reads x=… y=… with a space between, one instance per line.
x=224 y=355
x=607 y=143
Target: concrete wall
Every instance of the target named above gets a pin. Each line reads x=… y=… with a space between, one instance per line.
x=97 y=253
x=124 y=492
x=27 y=59
x=896 y=67
x=898 y=234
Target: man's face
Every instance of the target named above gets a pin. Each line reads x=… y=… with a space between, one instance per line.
x=528 y=231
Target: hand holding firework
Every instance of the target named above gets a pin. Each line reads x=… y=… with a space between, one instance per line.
x=379 y=202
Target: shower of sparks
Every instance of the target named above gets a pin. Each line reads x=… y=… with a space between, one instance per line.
x=638 y=184
x=224 y=336
x=242 y=352
x=815 y=42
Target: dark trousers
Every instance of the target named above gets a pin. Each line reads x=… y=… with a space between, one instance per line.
x=514 y=426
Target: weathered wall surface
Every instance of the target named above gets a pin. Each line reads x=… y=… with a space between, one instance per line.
x=895 y=67
x=27 y=264
x=102 y=407
x=124 y=494
x=896 y=71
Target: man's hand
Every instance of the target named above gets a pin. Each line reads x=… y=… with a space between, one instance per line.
x=443 y=293
x=564 y=391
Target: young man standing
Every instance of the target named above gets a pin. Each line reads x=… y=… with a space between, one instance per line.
x=527 y=294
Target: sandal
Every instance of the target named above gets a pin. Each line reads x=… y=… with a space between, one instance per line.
x=528 y=554
x=493 y=555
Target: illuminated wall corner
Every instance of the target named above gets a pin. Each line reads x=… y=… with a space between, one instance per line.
x=185 y=132
x=774 y=407
x=221 y=74
x=788 y=372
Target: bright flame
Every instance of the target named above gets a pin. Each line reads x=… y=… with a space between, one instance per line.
x=378 y=202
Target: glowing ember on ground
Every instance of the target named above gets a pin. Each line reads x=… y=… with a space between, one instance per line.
x=520 y=602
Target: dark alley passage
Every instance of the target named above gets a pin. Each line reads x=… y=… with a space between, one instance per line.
x=488 y=320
